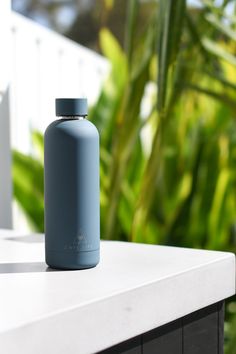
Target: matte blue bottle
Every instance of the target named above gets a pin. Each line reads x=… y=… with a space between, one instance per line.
x=71 y=188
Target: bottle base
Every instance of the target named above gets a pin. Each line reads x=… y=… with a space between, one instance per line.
x=72 y=260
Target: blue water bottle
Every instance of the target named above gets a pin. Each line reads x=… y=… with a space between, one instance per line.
x=71 y=188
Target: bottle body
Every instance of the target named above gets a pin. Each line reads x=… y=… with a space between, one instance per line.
x=71 y=182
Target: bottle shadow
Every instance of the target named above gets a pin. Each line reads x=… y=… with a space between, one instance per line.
x=33 y=238
x=26 y=267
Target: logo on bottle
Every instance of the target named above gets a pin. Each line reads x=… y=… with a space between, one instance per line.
x=79 y=243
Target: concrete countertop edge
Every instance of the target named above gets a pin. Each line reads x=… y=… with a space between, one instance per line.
x=71 y=313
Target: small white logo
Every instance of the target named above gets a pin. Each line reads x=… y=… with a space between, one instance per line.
x=79 y=242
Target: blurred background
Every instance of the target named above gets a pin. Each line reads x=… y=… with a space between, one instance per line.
x=160 y=77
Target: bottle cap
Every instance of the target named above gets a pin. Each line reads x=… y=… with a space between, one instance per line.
x=71 y=107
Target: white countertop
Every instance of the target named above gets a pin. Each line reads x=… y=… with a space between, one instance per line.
x=134 y=289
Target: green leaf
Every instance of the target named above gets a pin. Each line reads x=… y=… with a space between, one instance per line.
x=216 y=95
x=132 y=10
x=221 y=26
x=28 y=188
x=218 y=51
x=38 y=143
x=171 y=15
x=113 y=51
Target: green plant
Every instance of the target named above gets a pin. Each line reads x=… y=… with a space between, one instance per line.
x=182 y=186
x=28 y=183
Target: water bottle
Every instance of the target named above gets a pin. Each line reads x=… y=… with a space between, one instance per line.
x=71 y=188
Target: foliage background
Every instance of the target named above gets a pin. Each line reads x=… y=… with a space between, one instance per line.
x=166 y=117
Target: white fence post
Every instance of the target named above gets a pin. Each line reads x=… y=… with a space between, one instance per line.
x=5 y=146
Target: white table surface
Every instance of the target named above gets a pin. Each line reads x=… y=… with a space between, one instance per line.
x=134 y=289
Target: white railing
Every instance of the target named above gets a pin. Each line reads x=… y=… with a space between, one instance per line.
x=45 y=65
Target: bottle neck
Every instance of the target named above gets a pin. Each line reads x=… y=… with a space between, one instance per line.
x=74 y=117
